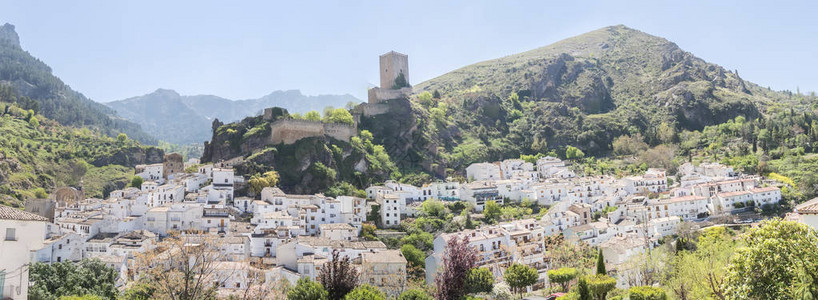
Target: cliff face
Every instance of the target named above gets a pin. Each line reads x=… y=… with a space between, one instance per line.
x=309 y=165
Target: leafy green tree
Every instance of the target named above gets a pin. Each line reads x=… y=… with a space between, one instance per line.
x=259 y=182
x=139 y=290
x=89 y=277
x=774 y=257
x=121 y=138
x=312 y=116
x=34 y=122
x=646 y=293
x=306 y=289
x=421 y=240
x=600 y=263
x=433 y=208
x=479 y=280
x=83 y=297
x=699 y=274
x=572 y=152
x=562 y=276
x=599 y=285
x=519 y=276
x=415 y=294
x=365 y=292
x=136 y=182
x=339 y=115
x=492 y=211
x=414 y=256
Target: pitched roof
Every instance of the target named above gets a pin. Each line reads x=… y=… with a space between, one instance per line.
x=10 y=213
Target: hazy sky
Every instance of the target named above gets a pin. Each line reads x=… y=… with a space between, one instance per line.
x=111 y=50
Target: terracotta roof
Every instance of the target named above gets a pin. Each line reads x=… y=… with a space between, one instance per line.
x=10 y=213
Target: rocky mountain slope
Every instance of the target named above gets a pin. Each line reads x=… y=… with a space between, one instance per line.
x=583 y=91
x=186 y=119
x=33 y=79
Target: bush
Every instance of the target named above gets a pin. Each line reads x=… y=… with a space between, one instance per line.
x=365 y=292
x=415 y=294
x=646 y=293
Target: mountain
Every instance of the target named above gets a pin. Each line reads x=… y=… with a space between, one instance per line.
x=38 y=154
x=186 y=119
x=583 y=91
x=46 y=94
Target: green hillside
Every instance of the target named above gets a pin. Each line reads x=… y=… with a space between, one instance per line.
x=38 y=154
x=51 y=97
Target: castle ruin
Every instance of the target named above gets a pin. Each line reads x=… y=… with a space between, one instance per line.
x=288 y=131
x=394 y=71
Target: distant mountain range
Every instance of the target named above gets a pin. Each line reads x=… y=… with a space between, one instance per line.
x=180 y=119
x=39 y=90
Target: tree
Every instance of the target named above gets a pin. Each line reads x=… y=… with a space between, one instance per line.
x=492 y=211
x=774 y=257
x=312 y=116
x=519 y=276
x=414 y=256
x=572 y=152
x=339 y=115
x=259 y=182
x=121 y=138
x=140 y=290
x=415 y=294
x=562 y=276
x=136 y=182
x=599 y=285
x=600 y=264
x=433 y=208
x=306 y=289
x=479 y=280
x=458 y=259
x=89 y=277
x=365 y=292
x=436 y=94
x=646 y=293
x=34 y=122
x=583 y=290
x=400 y=82
x=183 y=267
x=338 y=276
x=700 y=274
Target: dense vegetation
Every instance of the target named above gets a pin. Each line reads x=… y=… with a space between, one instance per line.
x=42 y=155
x=48 y=95
x=309 y=165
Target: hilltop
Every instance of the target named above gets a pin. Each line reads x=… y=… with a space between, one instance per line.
x=583 y=91
x=180 y=119
x=50 y=96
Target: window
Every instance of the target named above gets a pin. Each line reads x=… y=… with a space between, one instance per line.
x=11 y=234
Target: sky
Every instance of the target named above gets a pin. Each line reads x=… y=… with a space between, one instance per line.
x=111 y=50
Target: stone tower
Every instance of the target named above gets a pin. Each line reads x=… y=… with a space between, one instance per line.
x=392 y=65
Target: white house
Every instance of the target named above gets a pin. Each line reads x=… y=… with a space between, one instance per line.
x=483 y=171
x=23 y=234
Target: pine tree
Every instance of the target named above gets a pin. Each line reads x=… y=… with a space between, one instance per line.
x=600 y=264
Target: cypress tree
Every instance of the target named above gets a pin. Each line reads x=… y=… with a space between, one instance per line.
x=600 y=264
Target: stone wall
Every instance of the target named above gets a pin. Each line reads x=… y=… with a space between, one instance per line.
x=371 y=109
x=172 y=164
x=378 y=95
x=289 y=131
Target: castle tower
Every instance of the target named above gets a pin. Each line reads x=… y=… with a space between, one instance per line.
x=392 y=65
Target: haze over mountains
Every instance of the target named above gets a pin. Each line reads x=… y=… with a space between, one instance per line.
x=180 y=119
x=32 y=78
